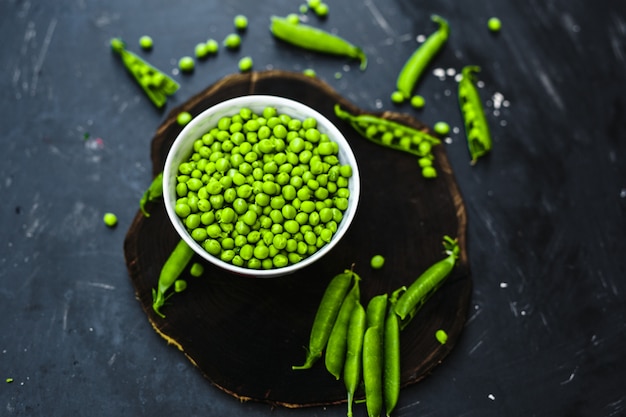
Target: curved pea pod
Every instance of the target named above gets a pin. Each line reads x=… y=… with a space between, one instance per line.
x=153 y=192
x=326 y=316
x=373 y=371
x=337 y=342
x=419 y=60
x=374 y=129
x=476 y=127
x=314 y=39
x=353 y=367
x=155 y=83
x=391 y=364
x=426 y=284
x=171 y=270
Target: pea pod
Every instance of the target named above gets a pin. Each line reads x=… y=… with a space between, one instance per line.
x=427 y=283
x=155 y=83
x=154 y=191
x=476 y=127
x=171 y=270
x=353 y=368
x=337 y=341
x=315 y=39
x=372 y=371
x=391 y=362
x=419 y=60
x=326 y=316
x=376 y=311
x=395 y=136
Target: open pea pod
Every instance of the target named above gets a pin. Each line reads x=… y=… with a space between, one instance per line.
x=156 y=84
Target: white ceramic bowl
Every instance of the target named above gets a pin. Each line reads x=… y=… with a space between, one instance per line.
x=182 y=148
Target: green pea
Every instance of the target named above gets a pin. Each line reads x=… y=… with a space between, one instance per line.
x=186 y=64
x=212 y=46
x=232 y=41
x=212 y=246
x=183 y=118
x=418 y=101
x=245 y=64
x=241 y=22
x=145 y=42
x=182 y=210
x=109 y=219
x=377 y=261
x=196 y=270
x=494 y=24
x=201 y=50
x=441 y=128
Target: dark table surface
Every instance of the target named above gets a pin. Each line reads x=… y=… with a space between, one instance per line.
x=546 y=331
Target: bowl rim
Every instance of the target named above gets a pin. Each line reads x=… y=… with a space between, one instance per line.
x=255 y=101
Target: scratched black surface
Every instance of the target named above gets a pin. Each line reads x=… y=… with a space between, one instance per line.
x=547 y=330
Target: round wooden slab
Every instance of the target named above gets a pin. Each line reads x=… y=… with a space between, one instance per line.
x=244 y=334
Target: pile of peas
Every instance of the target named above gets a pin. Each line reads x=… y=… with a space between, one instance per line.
x=263 y=191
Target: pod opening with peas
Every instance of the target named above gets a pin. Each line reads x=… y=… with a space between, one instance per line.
x=263 y=188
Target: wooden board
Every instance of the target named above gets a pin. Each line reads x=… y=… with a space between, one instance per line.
x=244 y=334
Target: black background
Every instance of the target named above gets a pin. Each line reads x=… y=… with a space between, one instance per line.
x=546 y=331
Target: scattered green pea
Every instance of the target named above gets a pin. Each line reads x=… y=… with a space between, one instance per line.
x=441 y=336
x=183 y=118
x=377 y=261
x=338 y=75
x=397 y=97
x=418 y=101
x=196 y=270
x=442 y=128
x=303 y=8
x=9 y=380
x=145 y=42
x=110 y=219
x=313 y=3
x=293 y=18
x=309 y=72
x=212 y=46
x=494 y=24
x=232 y=41
x=201 y=50
x=186 y=64
x=180 y=285
x=245 y=64
x=321 y=9
x=241 y=22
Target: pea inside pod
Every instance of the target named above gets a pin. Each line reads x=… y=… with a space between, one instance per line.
x=476 y=128
x=156 y=84
x=394 y=135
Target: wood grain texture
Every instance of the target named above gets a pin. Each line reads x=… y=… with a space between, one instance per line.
x=244 y=334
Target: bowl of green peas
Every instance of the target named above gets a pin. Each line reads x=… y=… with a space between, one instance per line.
x=261 y=186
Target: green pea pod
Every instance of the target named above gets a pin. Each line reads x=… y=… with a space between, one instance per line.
x=391 y=363
x=419 y=60
x=315 y=39
x=155 y=83
x=171 y=270
x=353 y=367
x=154 y=191
x=337 y=341
x=376 y=311
x=476 y=127
x=326 y=316
x=373 y=371
x=426 y=284
x=373 y=128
